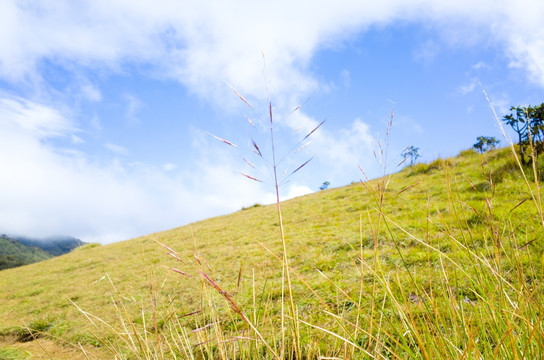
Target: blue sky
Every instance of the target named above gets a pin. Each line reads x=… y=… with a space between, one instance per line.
x=106 y=107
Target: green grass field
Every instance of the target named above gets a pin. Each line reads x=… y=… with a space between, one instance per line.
x=438 y=260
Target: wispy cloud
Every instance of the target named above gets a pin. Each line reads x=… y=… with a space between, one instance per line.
x=133 y=107
x=345 y=78
x=20 y=115
x=468 y=88
x=50 y=191
x=479 y=65
x=77 y=140
x=201 y=44
x=427 y=52
x=406 y=125
x=169 y=167
x=91 y=93
x=118 y=149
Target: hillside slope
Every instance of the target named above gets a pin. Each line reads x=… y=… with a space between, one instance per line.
x=478 y=199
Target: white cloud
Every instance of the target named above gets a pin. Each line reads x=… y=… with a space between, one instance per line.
x=77 y=140
x=48 y=191
x=467 y=88
x=91 y=93
x=345 y=78
x=298 y=190
x=501 y=102
x=427 y=52
x=118 y=149
x=95 y=123
x=169 y=167
x=133 y=107
x=24 y=116
x=201 y=43
x=341 y=149
x=288 y=191
x=479 y=65
x=520 y=26
x=406 y=125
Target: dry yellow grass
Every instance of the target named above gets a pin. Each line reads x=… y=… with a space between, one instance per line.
x=334 y=246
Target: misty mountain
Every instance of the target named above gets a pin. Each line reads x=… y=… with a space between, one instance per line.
x=18 y=251
x=54 y=245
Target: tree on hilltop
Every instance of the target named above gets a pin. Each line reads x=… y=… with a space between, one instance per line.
x=412 y=153
x=485 y=143
x=324 y=186
x=528 y=123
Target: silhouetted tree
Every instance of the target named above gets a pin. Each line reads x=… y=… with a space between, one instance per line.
x=528 y=123
x=325 y=185
x=412 y=153
x=485 y=143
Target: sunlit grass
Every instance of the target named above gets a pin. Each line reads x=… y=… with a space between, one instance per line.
x=441 y=260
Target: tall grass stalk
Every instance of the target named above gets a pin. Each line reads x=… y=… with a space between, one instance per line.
x=286 y=271
x=285 y=260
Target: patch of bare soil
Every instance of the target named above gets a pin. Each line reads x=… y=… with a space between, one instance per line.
x=47 y=349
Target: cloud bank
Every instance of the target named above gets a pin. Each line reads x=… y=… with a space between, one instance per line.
x=201 y=45
x=47 y=188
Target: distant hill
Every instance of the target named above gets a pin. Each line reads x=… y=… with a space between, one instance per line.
x=13 y=253
x=22 y=250
x=54 y=245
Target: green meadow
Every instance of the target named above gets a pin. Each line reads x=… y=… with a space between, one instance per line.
x=438 y=260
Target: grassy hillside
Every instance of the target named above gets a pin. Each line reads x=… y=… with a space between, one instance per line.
x=13 y=253
x=439 y=260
